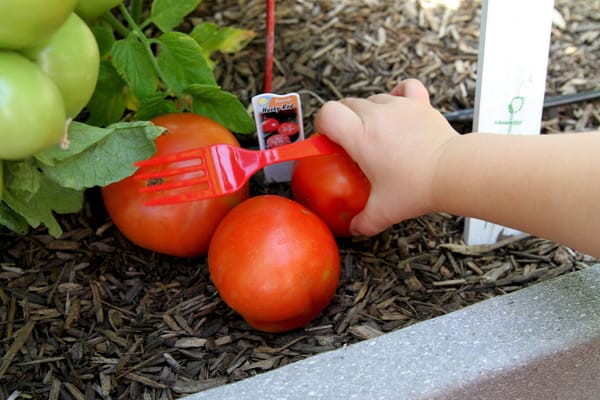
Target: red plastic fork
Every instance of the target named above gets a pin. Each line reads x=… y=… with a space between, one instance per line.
x=222 y=168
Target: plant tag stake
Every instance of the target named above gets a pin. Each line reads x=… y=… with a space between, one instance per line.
x=511 y=81
x=278 y=121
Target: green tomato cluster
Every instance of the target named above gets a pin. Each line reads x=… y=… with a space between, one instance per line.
x=49 y=65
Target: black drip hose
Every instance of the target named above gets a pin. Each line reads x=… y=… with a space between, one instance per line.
x=467 y=114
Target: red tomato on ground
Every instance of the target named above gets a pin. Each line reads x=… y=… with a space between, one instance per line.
x=333 y=187
x=183 y=229
x=274 y=262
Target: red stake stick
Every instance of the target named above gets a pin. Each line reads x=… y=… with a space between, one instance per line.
x=269 y=47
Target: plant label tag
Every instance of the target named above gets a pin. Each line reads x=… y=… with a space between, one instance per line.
x=278 y=121
x=511 y=81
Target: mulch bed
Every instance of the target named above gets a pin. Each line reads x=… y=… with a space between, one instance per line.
x=91 y=315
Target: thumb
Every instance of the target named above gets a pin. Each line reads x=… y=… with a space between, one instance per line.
x=370 y=221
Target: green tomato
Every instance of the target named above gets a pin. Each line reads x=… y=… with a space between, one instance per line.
x=32 y=111
x=72 y=60
x=89 y=9
x=25 y=23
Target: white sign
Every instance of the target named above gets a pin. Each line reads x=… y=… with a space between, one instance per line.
x=511 y=81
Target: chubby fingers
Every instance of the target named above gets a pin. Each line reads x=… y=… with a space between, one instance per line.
x=412 y=89
x=337 y=117
x=341 y=124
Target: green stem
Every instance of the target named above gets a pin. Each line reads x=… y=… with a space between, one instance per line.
x=115 y=24
x=136 y=10
x=146 y=44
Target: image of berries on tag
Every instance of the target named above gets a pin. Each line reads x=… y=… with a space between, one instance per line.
x=278 y=140
x=287 y=128
x=270 y=125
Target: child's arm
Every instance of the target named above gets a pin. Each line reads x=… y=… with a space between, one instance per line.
x=547 y=185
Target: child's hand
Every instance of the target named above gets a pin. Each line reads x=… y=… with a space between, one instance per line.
x=418 y=164
x=396 y=140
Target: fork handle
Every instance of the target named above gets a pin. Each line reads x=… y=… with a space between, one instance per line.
x=316 y=145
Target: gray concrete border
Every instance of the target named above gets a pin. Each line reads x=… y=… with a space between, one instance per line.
x=542 y=342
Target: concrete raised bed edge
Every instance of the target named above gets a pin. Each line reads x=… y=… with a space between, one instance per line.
x=541 y=342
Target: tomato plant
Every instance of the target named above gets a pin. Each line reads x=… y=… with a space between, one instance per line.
x=148 y=68
x=333 y=187
x=183 y=229
x=32 y=113
x=72 y=60
x=25 y=23
x=274 y=262
x=89 y=9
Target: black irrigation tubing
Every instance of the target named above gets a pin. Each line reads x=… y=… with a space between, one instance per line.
x=467 y=114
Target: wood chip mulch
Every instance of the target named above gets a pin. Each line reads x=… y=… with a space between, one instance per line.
x=91 y=316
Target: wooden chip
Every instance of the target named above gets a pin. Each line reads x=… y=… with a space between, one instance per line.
x=482 y=249
x=54 y=389
x=22 y=336
x=187 y=386
x=263 y=364
x=365 y=332
x=144 y=380
x=190 y=342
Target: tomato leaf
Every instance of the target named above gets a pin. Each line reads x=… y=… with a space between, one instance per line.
x=117 y=146
x=81 y=137
x=22 y=176
x=54 y=180
x=149 y=75
x=104 y=37
x=134 y=65
x=12 y=220
x=221 y=106
x=38 y=208
x=181 y=60
x=154 y=106
x=228 y=40
x=168 y=14
x=107 y=104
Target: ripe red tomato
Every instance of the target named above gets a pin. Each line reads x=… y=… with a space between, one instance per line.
x=183 y=229
x=333 y=187
x=274 y=262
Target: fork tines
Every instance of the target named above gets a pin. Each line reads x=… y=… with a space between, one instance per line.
x=169 y=158
x=164 y=160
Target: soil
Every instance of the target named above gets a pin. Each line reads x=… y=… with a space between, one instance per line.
x=90 y=315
